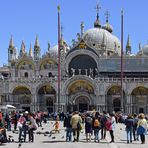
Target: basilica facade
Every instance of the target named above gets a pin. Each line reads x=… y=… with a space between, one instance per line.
x=90 y=75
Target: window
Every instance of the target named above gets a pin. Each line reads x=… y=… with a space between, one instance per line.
x=26 y=74
x=49 y=74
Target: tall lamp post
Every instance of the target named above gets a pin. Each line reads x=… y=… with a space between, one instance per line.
x=122 y=101
x=59 y=68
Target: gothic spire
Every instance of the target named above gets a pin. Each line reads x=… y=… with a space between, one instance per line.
x=48 y=46
x=128 y=46
x=23 y=47
x=11 y=44
x=30 y=51
x=82 y=29
x=36 y=42
x=37 y=49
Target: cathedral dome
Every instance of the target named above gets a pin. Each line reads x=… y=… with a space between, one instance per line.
x=108 y=27
x=95 y=37
x=54 y=50
x=145 y=50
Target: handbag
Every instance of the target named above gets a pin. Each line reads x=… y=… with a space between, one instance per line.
x=19 y=125
x=79 y=126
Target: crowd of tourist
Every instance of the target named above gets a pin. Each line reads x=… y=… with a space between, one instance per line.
x=94 y=123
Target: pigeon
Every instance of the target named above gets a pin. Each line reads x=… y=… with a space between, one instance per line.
x=19 y=145
x=10 y=136
x=47 y=132
x=53 y=137
x=50 y=135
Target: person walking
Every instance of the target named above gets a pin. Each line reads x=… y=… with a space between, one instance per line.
x=76 y=122
x=142 y=127
x=135 y=127
x=88 y=127
x=96 y=124
x=22 y=127
x=129 y=122
x=68 y=127
x=31 y=127
x=112 y=129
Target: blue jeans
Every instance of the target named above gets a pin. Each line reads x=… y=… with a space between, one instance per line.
x=129 y=132
x=96 y=133
x=22 y=130
x=68 y=134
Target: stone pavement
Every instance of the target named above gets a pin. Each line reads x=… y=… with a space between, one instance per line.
x=58 y=140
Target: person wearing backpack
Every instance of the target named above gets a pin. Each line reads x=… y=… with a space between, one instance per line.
x=88 y=127
x=96 y=126
x=111 y=128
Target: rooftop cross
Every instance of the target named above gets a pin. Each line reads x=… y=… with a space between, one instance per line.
x=107 y=15
x=98 y=8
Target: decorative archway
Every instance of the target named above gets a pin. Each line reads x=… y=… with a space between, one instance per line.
x=114 y=99
x=46 y=98
x=80 y=94
x=22 y=97
x=140 y=99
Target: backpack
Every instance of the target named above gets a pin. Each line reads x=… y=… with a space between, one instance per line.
x=97 y=123
x=108 y=125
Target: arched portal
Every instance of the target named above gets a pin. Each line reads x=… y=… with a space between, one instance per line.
x=82 y=103
x=140 y=99
x=114 y=99
x=46 y=98
x=80 y=94
x=22 y=98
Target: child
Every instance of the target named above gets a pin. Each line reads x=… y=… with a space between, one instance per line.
x=56 y=126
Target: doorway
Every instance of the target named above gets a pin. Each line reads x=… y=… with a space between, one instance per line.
x=83 y=107
x=26 y=108
x=141 y=110
x=82 y=103
x=116 y=104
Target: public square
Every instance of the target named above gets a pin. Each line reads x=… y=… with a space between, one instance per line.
x=59 y=141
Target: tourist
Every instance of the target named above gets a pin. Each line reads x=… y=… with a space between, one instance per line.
x=112 y=128
x=142 y=127
x=22 y=127
x=76 y=122
x=96 y=124
x=68 y=127
x=88 y=127
x=31 y=127
x=129 y=122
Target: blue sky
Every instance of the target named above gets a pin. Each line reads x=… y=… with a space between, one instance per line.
x=26 y=18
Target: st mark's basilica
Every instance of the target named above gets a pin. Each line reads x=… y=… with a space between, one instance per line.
x=90 y=74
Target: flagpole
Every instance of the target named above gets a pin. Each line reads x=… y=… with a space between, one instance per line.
x=59 y=69
x=122 y=101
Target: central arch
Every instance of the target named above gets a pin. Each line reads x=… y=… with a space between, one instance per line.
x=80 y=94
x=46 y=98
